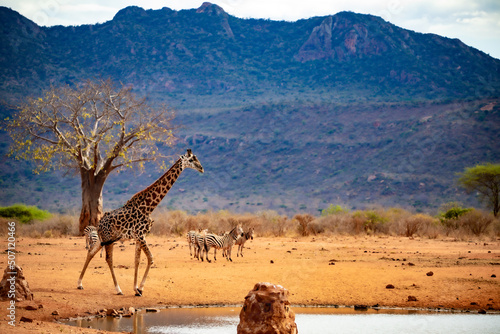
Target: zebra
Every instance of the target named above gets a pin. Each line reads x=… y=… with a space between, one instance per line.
x=91 y=237
x=199 y=245
x=224 y=242
x=191 y=239
x=241 y=241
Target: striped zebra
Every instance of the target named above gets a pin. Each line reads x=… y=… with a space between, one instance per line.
x=91 y=238
x=200 y=245
x=224 y=242
x=241 y=241
x=191 y=239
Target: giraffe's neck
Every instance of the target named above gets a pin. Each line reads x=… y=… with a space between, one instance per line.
x=148 y=199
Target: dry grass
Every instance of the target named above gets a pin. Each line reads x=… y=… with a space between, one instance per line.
x=391 y=222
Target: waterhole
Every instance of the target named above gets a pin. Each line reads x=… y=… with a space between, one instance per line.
x=222 y=320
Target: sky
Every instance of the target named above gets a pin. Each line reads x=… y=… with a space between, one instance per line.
x=474 y=22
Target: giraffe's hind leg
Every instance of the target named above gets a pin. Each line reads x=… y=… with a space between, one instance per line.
x=90 y=255
x=109 y=260
x=137 y=262
x=141 y=244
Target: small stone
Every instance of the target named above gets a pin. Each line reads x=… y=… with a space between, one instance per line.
x=272 y=261
x=389 y=286
x=412 y=298
x=127 y=313
x=56 y=312
x=481 y=311
x=493 y=276
x=31 y=308
x=360 y=307
x=430 y=273
x=152 y=310
x=24 y=319
x=112 y=312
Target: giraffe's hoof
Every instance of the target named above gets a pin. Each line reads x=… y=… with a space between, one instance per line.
x=120 y=293
x=80 y=287
x=138 y=293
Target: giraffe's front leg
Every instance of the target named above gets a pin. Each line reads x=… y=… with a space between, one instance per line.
x=109 y=260
x=90 y=255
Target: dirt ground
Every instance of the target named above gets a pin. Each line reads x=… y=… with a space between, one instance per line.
x=339 y=270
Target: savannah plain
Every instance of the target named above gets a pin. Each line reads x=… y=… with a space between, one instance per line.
x=432 y=268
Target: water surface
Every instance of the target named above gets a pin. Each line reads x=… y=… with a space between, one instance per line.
x=222 y=320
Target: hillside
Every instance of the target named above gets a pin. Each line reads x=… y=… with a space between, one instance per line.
x=346 y=109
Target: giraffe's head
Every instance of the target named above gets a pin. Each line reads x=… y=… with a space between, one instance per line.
x=189 y=160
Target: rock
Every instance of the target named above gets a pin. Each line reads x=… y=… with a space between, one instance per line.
x=31 y=308
x=24 y=319
x=56 y=312
x=430 y=273
x=389 y=286
x=360 y=307
x=112 y=312
x=153 y=310
x=102 y=312
x=127 y=313
x=412 y=298
x=267 y=311
x=13 y=278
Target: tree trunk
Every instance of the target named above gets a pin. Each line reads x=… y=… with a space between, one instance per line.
x=91 y=198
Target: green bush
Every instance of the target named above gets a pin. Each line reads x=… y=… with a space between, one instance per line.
x=23 y=213
x=371 y=220
x=450 y=218
x=333 y=209
x=455 y=212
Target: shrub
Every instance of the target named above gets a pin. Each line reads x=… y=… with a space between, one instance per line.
x=372 y=221
x=455 y=212
x=23 y=213
x=304 y=227
x=333 y=209
x=55 y=226
x=415 y=223
x=449 y=219
x=337 y=223
x=476 y=222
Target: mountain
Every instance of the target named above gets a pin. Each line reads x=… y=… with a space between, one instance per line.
x=346 y=109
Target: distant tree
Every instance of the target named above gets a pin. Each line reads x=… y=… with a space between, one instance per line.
x=485 y=179
x=92 y=129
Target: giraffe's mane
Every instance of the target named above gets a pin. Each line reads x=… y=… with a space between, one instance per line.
x=152 y=184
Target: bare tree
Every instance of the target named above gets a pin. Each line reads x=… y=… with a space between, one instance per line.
x=92 y=129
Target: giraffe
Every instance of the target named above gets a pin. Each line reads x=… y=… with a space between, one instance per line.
x=132 y=221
